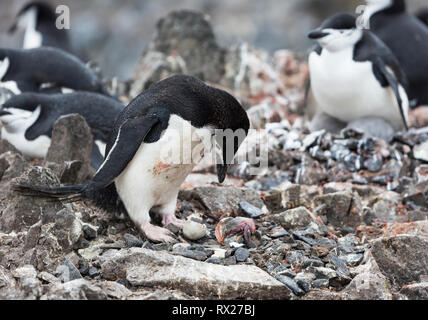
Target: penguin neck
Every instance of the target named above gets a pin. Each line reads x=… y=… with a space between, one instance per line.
x=32 y=38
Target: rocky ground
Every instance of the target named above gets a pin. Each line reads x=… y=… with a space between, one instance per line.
x=332 y=217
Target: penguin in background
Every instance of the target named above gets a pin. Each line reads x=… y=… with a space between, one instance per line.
x=423 y=15
x=354 y=75
x=28 y=120
x=407 y=37
x=34 y=70
x=147 y=153
x=38 y=20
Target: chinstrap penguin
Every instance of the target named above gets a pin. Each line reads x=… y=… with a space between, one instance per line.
x=407 y=37
x=38 y=20
x=28 y=120
x=354 y=75
x=32 y=70
x=141 y=171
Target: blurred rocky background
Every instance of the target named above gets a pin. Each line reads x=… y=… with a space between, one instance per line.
x=114 y=33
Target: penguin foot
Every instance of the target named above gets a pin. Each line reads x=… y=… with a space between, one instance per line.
x=157 y=234
x=172 y=219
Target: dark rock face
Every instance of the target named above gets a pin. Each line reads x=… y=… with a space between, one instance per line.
x=191 y=36
x=71 y=141
x=403 y=259
x=23 y=212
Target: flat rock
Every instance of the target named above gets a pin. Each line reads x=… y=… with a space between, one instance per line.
x=416 y=291
x=22 y=212
x=295 y=218
x=146 y=268
x=79 y=289
x=403 y=259
x=222 y=200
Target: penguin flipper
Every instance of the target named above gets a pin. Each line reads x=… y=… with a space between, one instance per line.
x=381 y=68
x=129 y=138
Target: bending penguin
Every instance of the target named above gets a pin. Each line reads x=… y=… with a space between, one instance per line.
x=148 y=151
x=354 y=75
x=28 y=120
x=38 y=20
x=407 y=37
x=32 y=70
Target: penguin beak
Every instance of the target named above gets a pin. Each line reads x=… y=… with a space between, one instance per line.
x=317 y=34
x=221 y=172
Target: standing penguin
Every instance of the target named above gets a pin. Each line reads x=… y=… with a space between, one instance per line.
x=156 y=141
x=354 y=75
x=38 y=20
x=28 y=120
x=33 y=69
x=407 y=37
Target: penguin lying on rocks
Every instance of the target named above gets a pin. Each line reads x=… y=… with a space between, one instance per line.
x=28 y=120
x=33 y=70
x=155 y=143
x=354 y=75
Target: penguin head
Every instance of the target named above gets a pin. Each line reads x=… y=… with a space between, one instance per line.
x=20 y=111
x=337 y=33
x=232 y=128
x=33 y=11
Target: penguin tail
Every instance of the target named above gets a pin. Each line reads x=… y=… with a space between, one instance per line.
x=64 y=193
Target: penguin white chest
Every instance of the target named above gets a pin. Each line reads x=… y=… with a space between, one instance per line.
x=348 y=90
x=157 y=170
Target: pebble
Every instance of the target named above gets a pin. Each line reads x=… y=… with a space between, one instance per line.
x=278 y=232
x=374 y=163
x=352 y=162
x=194 y=231
x=291 y=284
x=420 y=151
x=353 y=259
x=300 y=235
x=93 y=272
x=250 y=210
x=132 y=241
x=89 y=232
x=242 y=254
x=320 y=283
x=323 y=273
x=219 y=254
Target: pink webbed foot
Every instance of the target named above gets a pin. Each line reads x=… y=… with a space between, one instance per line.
x=172 y=219
x=157 y=234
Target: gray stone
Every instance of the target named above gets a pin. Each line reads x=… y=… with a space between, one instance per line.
x=250 y=210
x=71 y=140
x=79 y=289
x=403 y=259
x=132 y=241
x=420 y=151
x=416 y=291
x=340 y=208
x=146 y=268
x=295 y=218
x=22 y=212
x=221 y=200
x=242 y=254
x=291 y=284
x=68 y=271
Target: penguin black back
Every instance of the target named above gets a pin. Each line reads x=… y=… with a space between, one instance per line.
x=38 y=66
x=407 y=37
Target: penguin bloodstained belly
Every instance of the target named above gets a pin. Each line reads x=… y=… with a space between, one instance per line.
x=407 y=37
x=148 y=151
x=32 y=69
x=28 y=120
x=354 y=75
x=38 y=20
